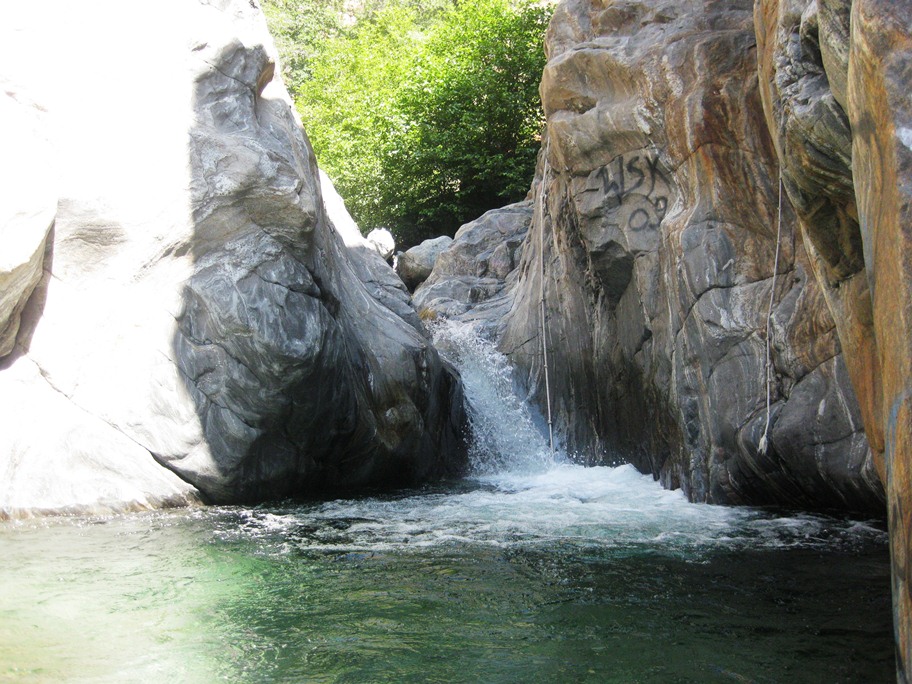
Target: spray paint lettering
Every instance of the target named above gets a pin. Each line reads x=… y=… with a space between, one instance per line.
x=637 y=175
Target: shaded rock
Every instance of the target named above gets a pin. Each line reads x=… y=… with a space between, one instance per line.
x=880 y=71
x=471 y=280
x=834 y=79
x=833 y=38
x=415 y=265
x=205 y=310
x=657 y=232
x=813 y=139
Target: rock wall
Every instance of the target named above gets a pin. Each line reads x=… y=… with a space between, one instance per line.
x=834 y=80
x=721 y=226
x=879 y=74
x=659 y=223
x=717 y=176
x=199 y=307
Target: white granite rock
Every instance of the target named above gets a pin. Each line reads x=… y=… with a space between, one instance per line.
x=201 y=311
x=383 y=241
x=28 y=204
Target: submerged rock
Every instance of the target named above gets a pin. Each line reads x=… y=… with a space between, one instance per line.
x=200 y=310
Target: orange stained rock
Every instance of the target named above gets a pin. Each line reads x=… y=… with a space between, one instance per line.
x=880 y=111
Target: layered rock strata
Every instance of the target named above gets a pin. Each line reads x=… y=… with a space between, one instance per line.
x=202 y=328
x=834 y=78
x=721 y=228
x=880 y=71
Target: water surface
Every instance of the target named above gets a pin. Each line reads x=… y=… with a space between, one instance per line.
x=558 y=579
x=531 y=570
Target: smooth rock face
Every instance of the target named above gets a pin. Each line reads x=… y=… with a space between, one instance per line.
x=415 y=265
x=202 y=310
x=834 y=79
x=659 y=234
x=813 y=139
x=879 y=77
x=472 y=280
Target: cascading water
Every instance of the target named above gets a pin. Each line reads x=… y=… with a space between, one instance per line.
x=504 y=438
x=533 y=569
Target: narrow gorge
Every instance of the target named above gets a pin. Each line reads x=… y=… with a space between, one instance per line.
x=717 y=228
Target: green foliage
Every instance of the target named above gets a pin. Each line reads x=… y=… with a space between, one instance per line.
x=426 y=10
x=472 y=117
x=426 y=112
x=349 y=102
x=300 y=29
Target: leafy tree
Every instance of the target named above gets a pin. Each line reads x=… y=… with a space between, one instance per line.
x=301 y=28
x=472 y=118
x=350 y=101
x=425 y=112
x=427 y=10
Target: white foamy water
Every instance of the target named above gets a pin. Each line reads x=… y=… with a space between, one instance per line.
x=564 y=504
x=504 y=437
x=519 y=493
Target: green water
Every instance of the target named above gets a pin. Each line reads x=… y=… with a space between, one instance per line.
x=537 y=570
x=478 y=583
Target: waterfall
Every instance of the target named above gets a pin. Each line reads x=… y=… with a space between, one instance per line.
x=503 y=435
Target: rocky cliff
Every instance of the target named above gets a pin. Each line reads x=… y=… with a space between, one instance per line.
x=834 y=78
x=720 y=235
x=687 y=332
x=180 y=314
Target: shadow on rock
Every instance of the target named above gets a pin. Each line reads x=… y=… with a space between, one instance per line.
x=307 y=372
